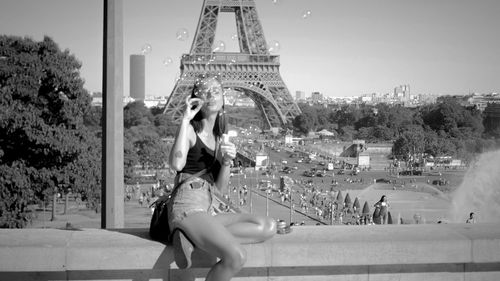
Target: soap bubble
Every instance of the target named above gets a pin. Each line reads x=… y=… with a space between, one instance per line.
x=274 y=47
x=234 y=37
x=306 y=14
x=275 y=1
x=219 y=46
x=182 y=34
x=146 y=49
x=232 y=62
x=168 y=61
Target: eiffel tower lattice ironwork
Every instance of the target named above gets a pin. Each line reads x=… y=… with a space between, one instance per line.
x=253 y=71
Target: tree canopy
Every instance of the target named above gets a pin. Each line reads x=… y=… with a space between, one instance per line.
x=442 y=128
x=45 y=146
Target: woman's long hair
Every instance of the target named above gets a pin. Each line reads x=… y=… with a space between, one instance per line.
x=220 y=126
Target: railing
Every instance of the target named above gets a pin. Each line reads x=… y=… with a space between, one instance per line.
x=390 y=252
x=229 y=58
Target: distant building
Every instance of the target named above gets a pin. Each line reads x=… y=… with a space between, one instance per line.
x=151 y=101
x=402 y=92
x=96 y=99
x=363 y=160
x=261 y=160
x=316 y=97
x=367 y=99
x=492 y=114
x=137 y=77
x=300 y=95
x=482 y=101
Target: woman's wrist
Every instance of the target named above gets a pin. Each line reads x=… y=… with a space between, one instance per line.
x=226 y=162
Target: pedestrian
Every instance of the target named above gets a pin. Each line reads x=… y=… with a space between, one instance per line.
x=472 y=218
x=197 y=148
x=380 y=214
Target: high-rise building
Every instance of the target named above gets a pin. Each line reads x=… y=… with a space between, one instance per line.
x=137 y=77
x=402 y=92
x=300 y=95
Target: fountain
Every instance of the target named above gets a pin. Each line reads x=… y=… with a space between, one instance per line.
x=479 y=191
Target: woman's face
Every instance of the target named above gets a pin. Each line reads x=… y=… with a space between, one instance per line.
x=212 y=91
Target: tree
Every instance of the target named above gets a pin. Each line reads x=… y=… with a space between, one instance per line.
x=135 y=114
x=163 y=126
x=93 y=119
x=345 y=117
x=409 y=144
x=304 y=122
x=366 y=133
x=44 y=144
x=347 y=133
x=151 y=151
x=347 y=200
x=365 y=122
x=382 y=133
x=356 y=205
x=322 y=119
x=366 y=209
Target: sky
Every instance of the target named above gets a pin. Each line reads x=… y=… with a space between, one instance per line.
x=343 y=48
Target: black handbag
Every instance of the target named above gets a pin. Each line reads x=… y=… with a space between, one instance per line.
x=159 y=229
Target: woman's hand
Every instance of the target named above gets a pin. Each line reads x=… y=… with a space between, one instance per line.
x=228 y=150
x=193 y=105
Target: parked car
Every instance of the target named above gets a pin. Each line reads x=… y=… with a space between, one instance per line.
x=308 y=174
x=355 y=171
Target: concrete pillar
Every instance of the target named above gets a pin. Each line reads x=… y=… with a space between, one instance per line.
x=112 y=215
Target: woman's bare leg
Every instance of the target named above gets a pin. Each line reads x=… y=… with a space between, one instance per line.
x=248 y=228
x=210 y=235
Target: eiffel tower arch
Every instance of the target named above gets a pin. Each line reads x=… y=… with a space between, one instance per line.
x=253 y=70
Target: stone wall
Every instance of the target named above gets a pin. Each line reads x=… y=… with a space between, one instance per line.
x=392 y=252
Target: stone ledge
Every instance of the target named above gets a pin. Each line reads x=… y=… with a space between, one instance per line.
x=459 y=251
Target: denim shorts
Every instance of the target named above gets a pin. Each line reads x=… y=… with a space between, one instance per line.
x=192 y=196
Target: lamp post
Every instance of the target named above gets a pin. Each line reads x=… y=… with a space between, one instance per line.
x=291 y=204
x=267 y=202
x=238 y=190
x=54 y=204
x=251 y=196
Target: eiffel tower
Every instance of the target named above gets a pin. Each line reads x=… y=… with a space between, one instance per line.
x=253 y=71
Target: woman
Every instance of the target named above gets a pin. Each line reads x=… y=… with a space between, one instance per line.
x=382 y=210
x=191 y=215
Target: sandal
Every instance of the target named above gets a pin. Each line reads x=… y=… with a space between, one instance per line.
x=183 y=248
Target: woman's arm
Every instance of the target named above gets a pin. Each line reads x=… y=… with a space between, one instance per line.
x=228 y=151
x=223 y=178
x=183 y=141
x=186 y=135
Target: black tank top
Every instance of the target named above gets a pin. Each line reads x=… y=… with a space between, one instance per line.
x=201 y=157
